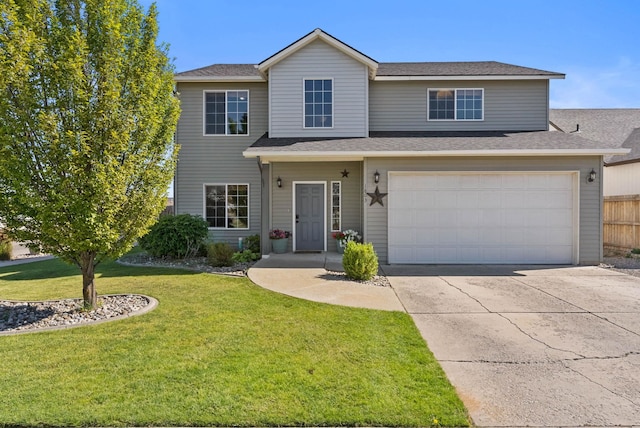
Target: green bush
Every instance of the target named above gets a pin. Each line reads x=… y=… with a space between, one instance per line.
x=360 y=261
x=635 y=251
x=5 y=246
x=175 y=236
x=220 y=254
x=252 y=243
x=245 y=256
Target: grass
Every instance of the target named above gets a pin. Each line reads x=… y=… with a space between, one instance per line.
x=218 y=351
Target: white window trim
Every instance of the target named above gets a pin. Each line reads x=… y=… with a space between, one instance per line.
x=455 y=107
x=333 y=103
x=339 y=206
x=226 y=187
x=226 y=124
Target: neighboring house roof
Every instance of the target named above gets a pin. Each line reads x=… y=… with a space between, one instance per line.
x=402 y=144
x=611 y=126
x=632 y=142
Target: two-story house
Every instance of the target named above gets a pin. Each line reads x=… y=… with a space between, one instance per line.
x=431 y=162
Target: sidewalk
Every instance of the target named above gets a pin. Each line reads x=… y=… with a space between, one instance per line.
x=308 y=276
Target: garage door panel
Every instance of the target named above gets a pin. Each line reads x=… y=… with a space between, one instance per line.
x=481 y=218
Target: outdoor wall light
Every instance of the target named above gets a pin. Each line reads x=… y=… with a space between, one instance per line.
x=592 y=176
x=279 y=182
x=376 y=177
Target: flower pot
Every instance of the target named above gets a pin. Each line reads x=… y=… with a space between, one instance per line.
x=339 y=247
x=279 y=246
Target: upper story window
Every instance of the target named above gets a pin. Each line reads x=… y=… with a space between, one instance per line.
x=455 y=104
x=226 y=112
x=318 y=103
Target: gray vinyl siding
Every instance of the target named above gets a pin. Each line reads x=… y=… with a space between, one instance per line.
x=217 y=159
x=590 y=204
x=318 y=60
x=509 y=105
x=282 y=198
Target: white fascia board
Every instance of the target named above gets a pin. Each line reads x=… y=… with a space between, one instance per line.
x=317 y=34
x=220 y=79
x=270 y=156
x=465 y=77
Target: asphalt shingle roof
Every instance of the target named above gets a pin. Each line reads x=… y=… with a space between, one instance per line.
x=477 y=68
x=431 y=142
x=222 y=70
x=611 y=126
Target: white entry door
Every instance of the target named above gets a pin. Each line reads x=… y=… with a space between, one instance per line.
x=493 y=217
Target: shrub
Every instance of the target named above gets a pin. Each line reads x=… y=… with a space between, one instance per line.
x=245 y=256
x=360 y=261
x=175 y=236
x=252 y=243
x=635 y=251
x=6 y=247
x=220 y=254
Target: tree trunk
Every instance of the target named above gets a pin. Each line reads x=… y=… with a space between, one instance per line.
x=89 y=293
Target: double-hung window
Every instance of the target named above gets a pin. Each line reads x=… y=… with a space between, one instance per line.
x=226 y=112
x=455 y=104
x=318 y=103
x=226 y=206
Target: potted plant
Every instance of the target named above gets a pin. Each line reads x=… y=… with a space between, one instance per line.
x=279 y=240
x=344 y=237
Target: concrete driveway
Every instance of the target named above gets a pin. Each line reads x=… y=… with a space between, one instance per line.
x=531 y=345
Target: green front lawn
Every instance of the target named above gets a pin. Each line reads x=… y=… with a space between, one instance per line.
x=216 y=351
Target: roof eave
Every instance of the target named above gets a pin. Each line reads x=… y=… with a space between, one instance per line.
x=271 y=155
x=218 y=79
x=471 y=77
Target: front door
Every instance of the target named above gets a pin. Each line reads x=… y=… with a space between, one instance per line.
x=309 y=217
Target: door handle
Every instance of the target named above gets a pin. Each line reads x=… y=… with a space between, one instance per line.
x=297 y=218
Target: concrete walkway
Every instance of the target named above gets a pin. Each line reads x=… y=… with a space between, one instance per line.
x=306 y=276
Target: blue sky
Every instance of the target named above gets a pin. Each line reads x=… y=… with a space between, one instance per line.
x=596 y=43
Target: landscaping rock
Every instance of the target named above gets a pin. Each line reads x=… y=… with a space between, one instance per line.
x=20 y=316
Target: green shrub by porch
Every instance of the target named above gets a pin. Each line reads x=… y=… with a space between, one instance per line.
x=220 y=254
x=176 y=236
x=360 y=261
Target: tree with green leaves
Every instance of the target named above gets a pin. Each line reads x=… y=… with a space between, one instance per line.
x=87 y=116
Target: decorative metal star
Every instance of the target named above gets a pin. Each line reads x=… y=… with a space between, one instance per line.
x=377 y=197
x=345 y=173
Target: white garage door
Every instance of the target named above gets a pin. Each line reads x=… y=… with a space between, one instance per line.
x=482 y=218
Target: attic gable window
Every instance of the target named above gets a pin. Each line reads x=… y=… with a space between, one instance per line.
x=318 y=103
x=455 y=104
x=226 y=112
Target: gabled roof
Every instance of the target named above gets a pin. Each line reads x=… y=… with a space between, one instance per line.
x=611 y=126
x=476 y=70
x=404 y=144
x=318 y=34
x=479 y=70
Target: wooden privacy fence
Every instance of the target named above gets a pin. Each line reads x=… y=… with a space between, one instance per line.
x=622 y=222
